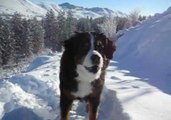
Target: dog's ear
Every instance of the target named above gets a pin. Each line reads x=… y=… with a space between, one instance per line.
x=67 y=44
x=109 y=48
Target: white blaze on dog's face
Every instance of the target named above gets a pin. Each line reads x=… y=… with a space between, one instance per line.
x=92 y=64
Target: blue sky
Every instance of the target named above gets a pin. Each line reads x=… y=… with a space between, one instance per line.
x=147 y=7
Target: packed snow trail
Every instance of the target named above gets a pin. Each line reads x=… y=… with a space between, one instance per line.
x=35 y=95
x=140 y=100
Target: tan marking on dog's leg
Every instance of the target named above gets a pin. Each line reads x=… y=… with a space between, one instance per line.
x=93 y=111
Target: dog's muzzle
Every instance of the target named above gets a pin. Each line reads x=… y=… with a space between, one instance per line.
x=92 y=69
x=95 y=59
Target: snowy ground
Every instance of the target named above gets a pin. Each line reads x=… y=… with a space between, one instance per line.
x=34 y=95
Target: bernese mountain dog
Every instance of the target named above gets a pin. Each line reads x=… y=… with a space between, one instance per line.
x=82 y=71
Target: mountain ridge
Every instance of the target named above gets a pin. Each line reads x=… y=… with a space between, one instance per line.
x=29 y=8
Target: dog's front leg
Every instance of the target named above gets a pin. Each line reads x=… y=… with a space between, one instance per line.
x=93 y=106
x=65 y=106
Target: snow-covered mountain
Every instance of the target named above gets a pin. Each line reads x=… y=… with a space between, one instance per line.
x=28 y=8
x=24 y=7
x=50 y=6
x=91 y=12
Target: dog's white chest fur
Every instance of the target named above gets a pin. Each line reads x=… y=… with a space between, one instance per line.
x=84 y=80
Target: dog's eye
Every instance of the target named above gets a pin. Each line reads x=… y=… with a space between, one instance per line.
x=100 y=47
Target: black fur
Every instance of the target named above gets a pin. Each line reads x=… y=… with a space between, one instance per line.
x=75 y=49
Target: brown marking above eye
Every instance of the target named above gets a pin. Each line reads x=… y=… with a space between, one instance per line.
x=99 y=44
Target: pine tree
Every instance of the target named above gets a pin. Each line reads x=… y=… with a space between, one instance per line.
x=17 y=29
x=51 y=29
x=26 y=42
x=61 y=21
x=85 y=24
x=96 y=22
x=6 y=42
x=70 y=24
x=36 y=35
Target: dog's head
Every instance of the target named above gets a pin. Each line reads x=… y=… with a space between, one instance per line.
x=90 y=50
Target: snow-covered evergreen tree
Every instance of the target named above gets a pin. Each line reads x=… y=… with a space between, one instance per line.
x=17 y=29
x=70 y=24
x=6 y=42
x=51 y=29
x=61 y=21
x=26 y=41
x=96 y=22
x=36 y=35
x=85 y=24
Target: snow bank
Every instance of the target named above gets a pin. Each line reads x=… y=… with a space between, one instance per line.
x=34 y=92
x=145 y=50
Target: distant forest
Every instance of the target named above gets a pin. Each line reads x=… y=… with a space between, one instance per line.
x=22 y=37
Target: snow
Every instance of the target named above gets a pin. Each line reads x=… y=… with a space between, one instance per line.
x=35 y=93
x=145 y=50
x=49 y=6
x=36 y=90
x=137 y=85
x=140 y=100
x=28 y=8
x=24 y=7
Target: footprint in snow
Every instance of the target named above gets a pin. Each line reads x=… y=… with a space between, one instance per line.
x=123 y=88
x=133 y=86
x=54 y=73
x=114 y=78
x=47 y=70
x=46 y=75
x=54 y=67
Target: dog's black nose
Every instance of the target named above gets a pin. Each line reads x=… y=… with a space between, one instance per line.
x=95 y=59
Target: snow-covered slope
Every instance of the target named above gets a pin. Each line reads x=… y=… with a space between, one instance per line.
x=24 y=7
x=28 y=8
x=90 y=12
x=146 y=50
x=49 y=6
